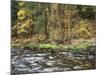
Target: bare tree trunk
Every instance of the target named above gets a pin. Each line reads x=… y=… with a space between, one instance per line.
x=54 y=22
x=69 y=24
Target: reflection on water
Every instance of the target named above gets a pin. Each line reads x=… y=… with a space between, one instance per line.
x=29 y=61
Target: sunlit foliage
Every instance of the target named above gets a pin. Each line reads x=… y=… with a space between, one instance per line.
x=60 y=23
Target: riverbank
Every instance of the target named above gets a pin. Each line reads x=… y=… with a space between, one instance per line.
x=29 y=56
x=78 y=45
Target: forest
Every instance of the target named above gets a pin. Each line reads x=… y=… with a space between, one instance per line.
x=56 y=29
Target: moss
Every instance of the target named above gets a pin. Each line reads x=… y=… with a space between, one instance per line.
x=29 y=44
x=52 y=46
x=80 y=47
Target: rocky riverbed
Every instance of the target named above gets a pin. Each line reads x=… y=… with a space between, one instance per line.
x=25 y=61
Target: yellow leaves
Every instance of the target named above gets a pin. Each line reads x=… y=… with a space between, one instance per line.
x=22 y=4
x=22 y=30
x=81 y=29
x=41 y=36
x=24 y=23
x=83 y=24
x=27 y=24
x=24 y=26
x=22 y=14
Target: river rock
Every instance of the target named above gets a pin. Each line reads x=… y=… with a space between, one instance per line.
x=50 y=57
x=77 y=67
x=50 y=63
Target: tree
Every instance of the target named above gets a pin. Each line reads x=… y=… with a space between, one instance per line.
x=87 y=12
x=24 y=25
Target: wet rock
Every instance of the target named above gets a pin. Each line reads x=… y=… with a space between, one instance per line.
x=69 y=54
x=22 y=70
x=65 y=69
x=36 y=61
x=50 y=57
x=40 y=55
x=77 y=67
x=51 y=69
x=50 y=63
x=28 y=55
x=91 y=57
x=28 y=59
x=36 y=69
x=21 y=66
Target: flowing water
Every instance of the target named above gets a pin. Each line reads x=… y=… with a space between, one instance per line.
x=37 y=61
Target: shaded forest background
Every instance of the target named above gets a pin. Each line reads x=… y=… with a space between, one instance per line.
x=51 y=22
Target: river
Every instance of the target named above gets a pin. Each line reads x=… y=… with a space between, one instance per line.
x=38 y=61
